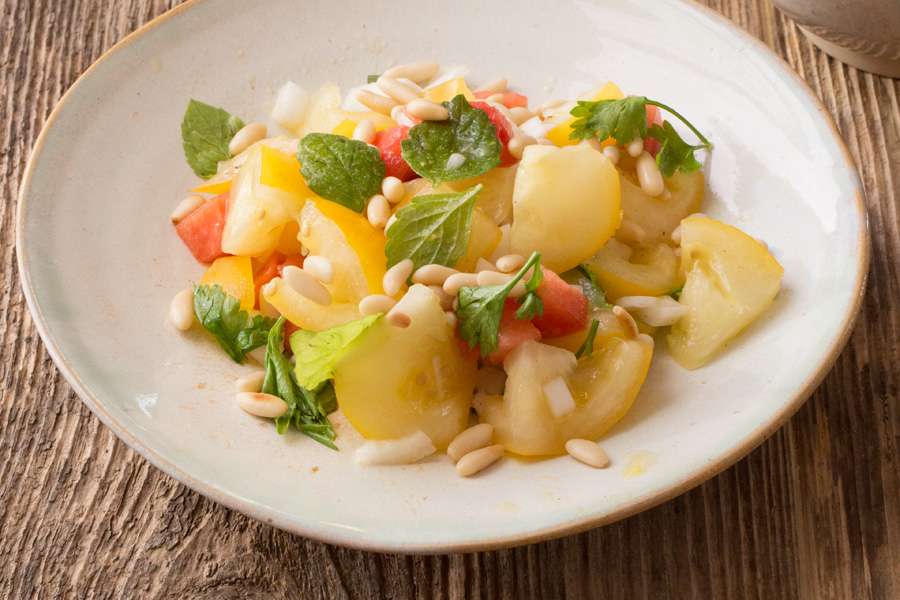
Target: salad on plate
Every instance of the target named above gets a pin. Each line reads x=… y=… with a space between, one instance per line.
x=454 y=269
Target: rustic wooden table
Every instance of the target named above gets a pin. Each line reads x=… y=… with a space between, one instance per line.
x=813 y=513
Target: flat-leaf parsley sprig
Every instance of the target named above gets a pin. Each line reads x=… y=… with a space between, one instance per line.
x=625 y=120
x=481 y=308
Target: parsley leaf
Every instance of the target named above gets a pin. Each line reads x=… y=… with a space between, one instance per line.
x=468 y=132
x=584 y=277
x=317 y=353
x=307 y=410
x=345 y=171
x=587 y=348
x=481 y=308
x=531 y=305
x=432 y=229
x=221 y=315
x=623 y=120
x=674 y=154
x=205 y=133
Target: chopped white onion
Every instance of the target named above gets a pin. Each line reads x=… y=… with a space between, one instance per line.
x=559 y=397
x=290 y=106
x=658 y=311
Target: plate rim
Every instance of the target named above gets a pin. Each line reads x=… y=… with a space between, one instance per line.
x=567 y=527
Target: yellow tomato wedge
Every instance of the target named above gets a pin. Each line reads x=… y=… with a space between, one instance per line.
x=303 y=312
x=448 y=90
x=622 y=271
x=354 y=247
x=214 y=186
x=345 y=128
x=235 y=275
x=559 y=135
x=281 y=170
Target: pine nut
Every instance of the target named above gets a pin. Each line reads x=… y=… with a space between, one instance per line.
x=484 y=265
x=559 y=397
x=443 y=297
x=259 y=404
x=419 y=72
x=492 y=278
x=510 y=263
x=403 y=451
x=364 y=131
x=181 y=310
x=393 y=189
x=306 y=285
x=251 y=382
x=649 y=176
x=395 y=277
x=427 y=110
x=495 y=86
x=459 y=280
x=319 y=267
x=658 y=311
x=626 y=321
x=635 y=147
x=376 y=303
x=518 y=143
x=478 y=460
x=378 y=211
x=473 y=438
x=246 y=135
x=612 y=153
x=452 y=321
x=587 y=452
x=433 y=274
x=186 y=207
x=377 y=102
x=398 y=318
x=519 y=114
x=397 y=90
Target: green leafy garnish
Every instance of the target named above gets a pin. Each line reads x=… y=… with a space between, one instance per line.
x=625 y=120
x=205 y=134
x=584 y=277
x=587 y=348
x=372 y=78
x=307 y=410
x=432 y=229
x=674 y=153
x=468 y=133
x=346 y=171
x=531 y=305
x=317 y=353
x=481 y=309
x=221 y=315
x=676 y=294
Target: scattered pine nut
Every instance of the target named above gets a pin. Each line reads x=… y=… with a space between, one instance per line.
x=319 y=267
x=251 y=382
x=395 y=277
x=588 y=452
x=519 y=114
x=186 y=207
x=181 y=310
x=259 y=404
x=473 y=438
x=612 y=153
x=459 y=280
x=377 y=102
x=648 y=175
x=635 y=147
x=399 y=91
x=305 y=284
x=492 y=278
x=419 y=72
x=510 y=263
x=433 y=274
x=375 y=303
x=364 y=131
x=518 y=143
x=378 y=211
x=478 y=460
x=495 y=86
x=626 y=321
x=393 y=189
x=246 y=135
x=427 y=110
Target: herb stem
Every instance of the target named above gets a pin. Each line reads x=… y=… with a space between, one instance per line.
x=587 y=348
x=706 y=143
x=534 y=259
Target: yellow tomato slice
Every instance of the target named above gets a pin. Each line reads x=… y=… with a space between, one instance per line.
x=449 y=90
x=235 y=275
x=345 y=128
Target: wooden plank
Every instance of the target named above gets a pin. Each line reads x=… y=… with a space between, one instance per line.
x=813 y=513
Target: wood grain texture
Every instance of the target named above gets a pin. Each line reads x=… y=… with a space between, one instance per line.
x=813 y=513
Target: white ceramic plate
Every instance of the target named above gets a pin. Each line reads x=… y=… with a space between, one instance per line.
x=100 y=262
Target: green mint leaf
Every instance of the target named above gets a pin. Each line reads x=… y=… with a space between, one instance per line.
x=674 y=154
x=305 y=410
x=584 y=277
x=221 y=315
x=345 y=171
x=468 y=133
x=587 y=348
x=205 y=133
x=623 y=120
x=317 y=353
x=481 y=309
x=432 y=229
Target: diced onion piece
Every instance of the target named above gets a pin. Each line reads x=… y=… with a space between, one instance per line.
x=403 y=451
x=559 y=397
x=290 y=106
